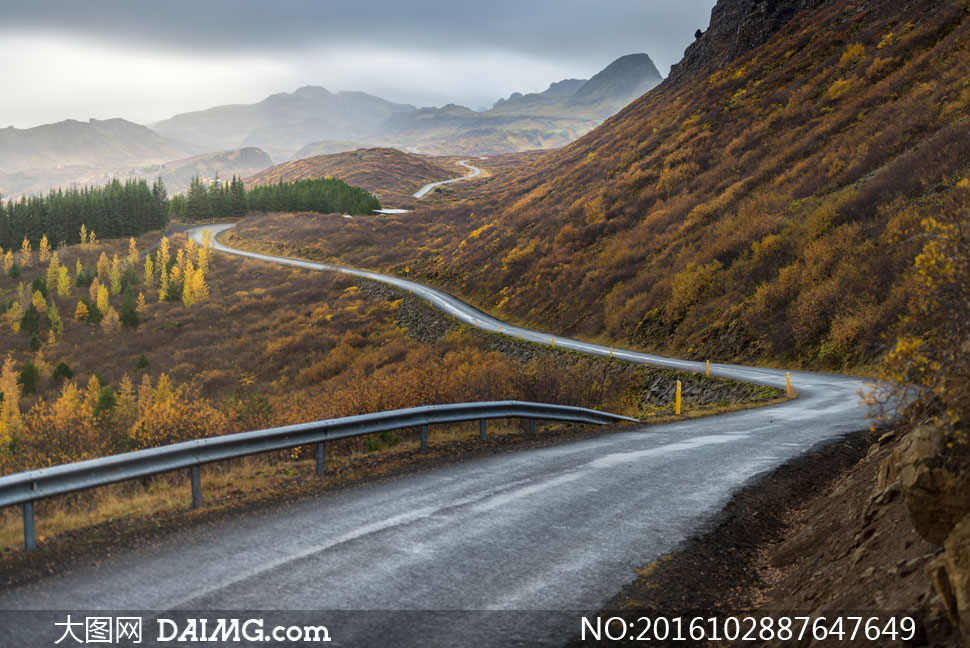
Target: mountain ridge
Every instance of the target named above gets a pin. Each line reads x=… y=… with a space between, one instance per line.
x=113 y=142
x=284 y=122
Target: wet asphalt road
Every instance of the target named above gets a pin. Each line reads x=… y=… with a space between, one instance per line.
x=557 y=529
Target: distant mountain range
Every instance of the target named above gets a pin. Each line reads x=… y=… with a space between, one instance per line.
x=179 y=173
x=310 y=121
x=622 y=81
x=553 y=118
x=283 y=123
x=112 y=142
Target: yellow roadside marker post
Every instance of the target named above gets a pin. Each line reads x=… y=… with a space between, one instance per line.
x=708 y=368
x=677 y=401
x=611 y=353
x=553 y=343
x=788 y=381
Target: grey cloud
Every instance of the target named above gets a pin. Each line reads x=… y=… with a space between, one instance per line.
x=564 y=29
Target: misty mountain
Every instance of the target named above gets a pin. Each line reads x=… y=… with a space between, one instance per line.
x=552 y=118
x=284 y=122
x=326 y=147
x=313 y=121
x=308 y=122
x=177 y=174
x=564 y=88
x=107 y=143
x=619 y=83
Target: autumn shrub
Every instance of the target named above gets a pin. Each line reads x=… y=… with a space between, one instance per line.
x=928 y=369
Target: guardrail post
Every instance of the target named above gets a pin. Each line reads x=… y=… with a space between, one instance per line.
x=321 y=457
x=30 y=535
x=482 y=432
x=424 y=438
x=196 y=487
x=532 y=427
x=575 y=427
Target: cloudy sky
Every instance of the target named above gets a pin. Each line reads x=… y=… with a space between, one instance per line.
x=146 y=61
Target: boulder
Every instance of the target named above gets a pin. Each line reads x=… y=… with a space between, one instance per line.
x=936 y=496
x=950 y=575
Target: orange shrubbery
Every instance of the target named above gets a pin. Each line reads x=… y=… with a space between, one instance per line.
x=929 y=367
x=269 y=346
x=787 y=171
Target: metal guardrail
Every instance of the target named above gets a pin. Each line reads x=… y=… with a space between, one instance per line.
x=27 y=487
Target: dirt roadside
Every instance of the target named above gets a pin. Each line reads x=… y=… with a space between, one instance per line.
x=809 y=538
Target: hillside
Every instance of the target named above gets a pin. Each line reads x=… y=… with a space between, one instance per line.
x=390 y=174
x=326 y=147
x=177 y=174
x=285 y=122
x=756 y=207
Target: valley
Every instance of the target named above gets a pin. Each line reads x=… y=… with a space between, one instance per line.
x=761 y=257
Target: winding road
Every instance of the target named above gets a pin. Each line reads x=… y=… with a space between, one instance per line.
x=504 y=550
x=475 y=171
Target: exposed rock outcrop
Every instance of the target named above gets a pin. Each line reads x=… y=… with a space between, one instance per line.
x=950 y=575
x=937 y=496
x=736 y=27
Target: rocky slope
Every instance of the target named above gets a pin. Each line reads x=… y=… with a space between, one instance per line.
x=738 y=26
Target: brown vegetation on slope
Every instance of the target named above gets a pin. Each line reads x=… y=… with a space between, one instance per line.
x=759 y=210
x=391 y=174
x=269 y=345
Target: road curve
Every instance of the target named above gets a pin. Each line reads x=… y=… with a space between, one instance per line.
x=475 y=171
x=508 y=549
